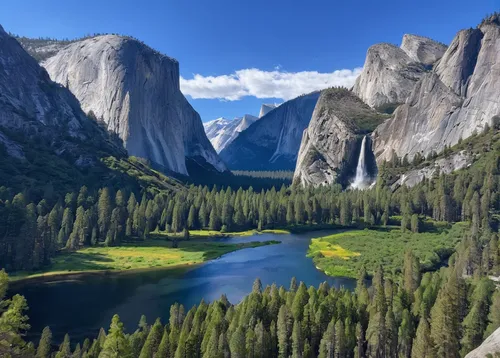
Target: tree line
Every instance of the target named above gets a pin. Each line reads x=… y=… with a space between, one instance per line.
x=31 y=233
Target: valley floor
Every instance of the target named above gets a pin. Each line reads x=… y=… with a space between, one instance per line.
x=343 y=254
x=154 y=253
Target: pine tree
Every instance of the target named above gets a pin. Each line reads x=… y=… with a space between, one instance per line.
x=237 y=343
x=104 y=211
x=391 y=348
x=297 y=340
x=163 y=348
x=445 y=323
x=66 y=227
x=202 y=215
x=131 y=204
x=406 y=333
x=45 y=345
x=284 y=329
x=415 y=225
x=191 y=222
x=116 y=344
x=422 y=345
x=64 y=348
x=474 y=323
x=308 y=352
x=262 y=341
x=327 y=344
x=411 y=273
x=376 y=331
x=214 y=223
x=153 y=340
x=77 y=353
x=299 y=301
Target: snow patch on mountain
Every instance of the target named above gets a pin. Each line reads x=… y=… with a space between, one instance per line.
x=221 y=131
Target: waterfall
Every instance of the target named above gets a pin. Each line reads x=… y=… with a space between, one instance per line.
x=361 y=179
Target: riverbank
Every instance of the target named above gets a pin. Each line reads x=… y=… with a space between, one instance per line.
x=213 y=234
x=135 y=255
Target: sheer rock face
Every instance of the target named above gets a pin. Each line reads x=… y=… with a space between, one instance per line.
x=422 y=49
x=390 y=72
x=221 y=131
x=388 y=76
x=331 y=142
x=459 y=97
x=135 y=91
x=490 y=346
x=31 y=105
x=27 y=93
x=272 y=143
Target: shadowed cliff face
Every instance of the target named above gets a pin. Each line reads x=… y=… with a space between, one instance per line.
x=272 y=142
x=32 y=106
x=458 y=97
x=331 y=144
x=135 y=91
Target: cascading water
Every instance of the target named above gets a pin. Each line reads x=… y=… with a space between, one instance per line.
x=361 y=179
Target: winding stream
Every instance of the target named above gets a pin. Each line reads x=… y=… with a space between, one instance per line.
x=80 y=306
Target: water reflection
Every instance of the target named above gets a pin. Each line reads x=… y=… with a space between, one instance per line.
x=81 y=306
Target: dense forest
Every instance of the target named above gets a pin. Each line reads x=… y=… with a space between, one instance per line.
x=445 y=313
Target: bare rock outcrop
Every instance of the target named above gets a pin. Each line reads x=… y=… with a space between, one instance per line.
x=422 y=49
x=489 y=347
x=266 y=108
x=390 y=72
x=135 y=91
x=445 y=165
x=458 y=98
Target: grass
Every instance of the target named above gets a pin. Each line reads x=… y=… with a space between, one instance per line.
x=152 y=253
x=342 y=254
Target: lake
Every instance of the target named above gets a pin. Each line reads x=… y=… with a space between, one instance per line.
x=80 y=306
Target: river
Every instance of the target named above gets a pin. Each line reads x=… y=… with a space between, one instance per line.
x=80 y=306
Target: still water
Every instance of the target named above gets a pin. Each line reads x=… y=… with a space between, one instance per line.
x=81 y=306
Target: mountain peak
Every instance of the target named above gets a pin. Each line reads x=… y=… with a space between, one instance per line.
x=422 y=49
x=221 y=131
x=266 y=108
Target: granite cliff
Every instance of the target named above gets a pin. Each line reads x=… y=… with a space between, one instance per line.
x=390 y=72
x=457 y=98
x=273 y=142
x=331 y=144
x=34 y=107
x=135 y=91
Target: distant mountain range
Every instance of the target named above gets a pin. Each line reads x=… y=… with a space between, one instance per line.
x=273 y=142
x=221 y=131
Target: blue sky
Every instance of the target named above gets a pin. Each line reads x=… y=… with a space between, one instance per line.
x=246 y=53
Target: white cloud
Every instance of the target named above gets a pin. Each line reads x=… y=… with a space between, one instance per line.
x=265 y=84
